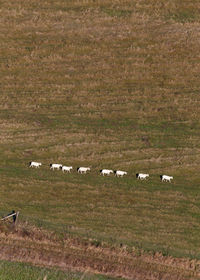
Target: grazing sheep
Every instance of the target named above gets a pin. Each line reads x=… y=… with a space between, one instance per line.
x=83 y=169
x=106 y=171
x=166 y=178
x=66 y=168
x=120 y=173
x=142 y=176
x=35 y=164
x=55 y=166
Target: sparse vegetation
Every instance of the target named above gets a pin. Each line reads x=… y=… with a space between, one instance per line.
x=10 y=270
x=106 y=84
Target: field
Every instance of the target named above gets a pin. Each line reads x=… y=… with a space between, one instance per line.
x=9 y=271
x=105 y=84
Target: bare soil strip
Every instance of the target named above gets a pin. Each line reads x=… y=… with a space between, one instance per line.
x=40 y=249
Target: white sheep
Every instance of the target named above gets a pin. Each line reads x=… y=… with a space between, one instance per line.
x=35 y=164
x=106 y=171
x=120 y=173
x=66 y=168
x=83 y=169
x=142 y=176
x=55 y=166
x=166 y=178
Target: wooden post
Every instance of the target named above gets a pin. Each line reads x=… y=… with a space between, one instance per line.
x=17 y=214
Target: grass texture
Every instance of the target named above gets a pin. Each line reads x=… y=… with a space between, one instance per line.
x=22 y=271
x=105 y=84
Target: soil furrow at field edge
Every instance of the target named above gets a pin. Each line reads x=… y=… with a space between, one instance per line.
x=80 y=256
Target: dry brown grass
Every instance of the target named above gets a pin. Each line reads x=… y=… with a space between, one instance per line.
x=110 y=84
x=41 y=248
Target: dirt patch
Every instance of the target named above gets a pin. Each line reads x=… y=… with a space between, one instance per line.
x=44 y=249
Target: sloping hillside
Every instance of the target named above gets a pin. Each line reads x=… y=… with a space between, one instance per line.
x=105 y=84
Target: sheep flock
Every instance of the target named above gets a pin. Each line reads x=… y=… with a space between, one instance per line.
x=103 y=172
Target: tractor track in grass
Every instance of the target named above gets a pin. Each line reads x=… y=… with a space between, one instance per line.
x=41 y=249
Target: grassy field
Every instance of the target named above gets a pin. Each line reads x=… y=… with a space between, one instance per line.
x=105 y=84
x=9 y=270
